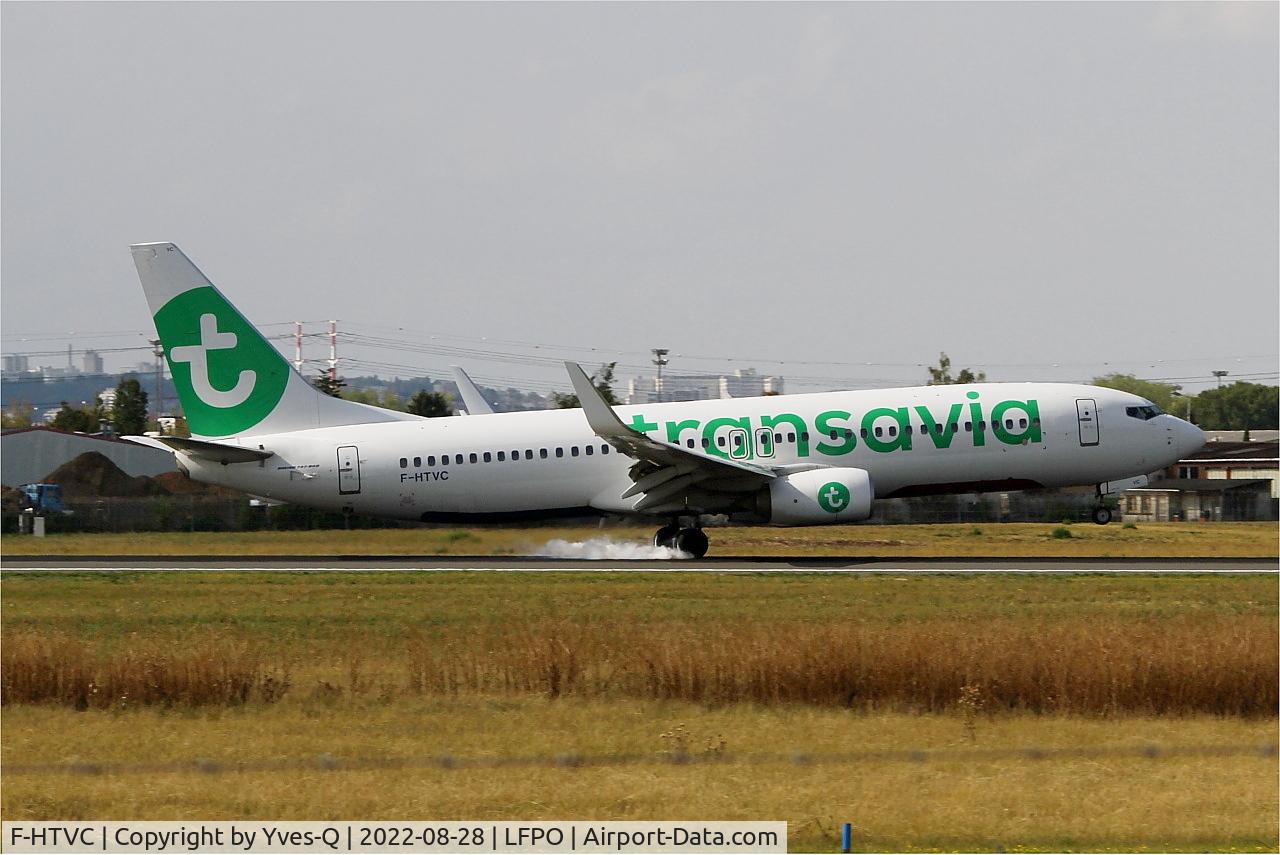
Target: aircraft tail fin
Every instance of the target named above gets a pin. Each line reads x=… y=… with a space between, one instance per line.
x=230 y=380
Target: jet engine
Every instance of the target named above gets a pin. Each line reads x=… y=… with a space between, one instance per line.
x=817 y=497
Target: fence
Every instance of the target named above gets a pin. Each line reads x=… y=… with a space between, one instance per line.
x=219 y=513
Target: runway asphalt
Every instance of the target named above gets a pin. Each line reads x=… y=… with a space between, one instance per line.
x=519 y=564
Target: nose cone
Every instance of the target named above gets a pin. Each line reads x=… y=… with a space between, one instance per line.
x=1188 y=438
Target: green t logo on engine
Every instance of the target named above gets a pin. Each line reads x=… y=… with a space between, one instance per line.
x=833 y=497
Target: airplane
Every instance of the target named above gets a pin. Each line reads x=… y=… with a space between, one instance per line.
x=808 y=459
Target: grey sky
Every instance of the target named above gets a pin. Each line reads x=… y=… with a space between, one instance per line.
x=1016 y=184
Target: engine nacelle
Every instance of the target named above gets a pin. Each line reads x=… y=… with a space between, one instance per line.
x=818 y=497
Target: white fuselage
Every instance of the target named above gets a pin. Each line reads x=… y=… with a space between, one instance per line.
x=531 y=464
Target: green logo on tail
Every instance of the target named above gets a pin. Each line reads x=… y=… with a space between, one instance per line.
x=833 y=497
x=228 y=377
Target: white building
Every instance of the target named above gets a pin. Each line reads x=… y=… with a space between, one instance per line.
x=743 y=383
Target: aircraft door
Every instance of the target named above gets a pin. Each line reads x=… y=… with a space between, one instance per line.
x=348 y=470
x=1087 y=412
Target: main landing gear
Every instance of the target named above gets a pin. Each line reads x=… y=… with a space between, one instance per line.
x=688 y=539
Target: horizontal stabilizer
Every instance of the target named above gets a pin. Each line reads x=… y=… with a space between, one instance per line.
x=218 y=452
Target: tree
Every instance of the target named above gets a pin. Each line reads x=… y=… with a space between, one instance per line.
x=1239 y=406
x=941 y=376
x=386 y=399
x=330 y=386
x=129 y=412
x=1160 y=394
x=18 y=414
x=75 y=419
x=602 y=380
x=433 y=405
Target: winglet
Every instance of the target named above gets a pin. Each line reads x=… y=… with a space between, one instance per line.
x=471 y=398
x=603 y=420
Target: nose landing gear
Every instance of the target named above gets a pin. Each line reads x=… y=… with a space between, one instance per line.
x=689 y=539
x=1101 y=512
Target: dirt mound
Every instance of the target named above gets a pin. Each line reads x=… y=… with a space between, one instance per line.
x=180 y=485
x=91 y=475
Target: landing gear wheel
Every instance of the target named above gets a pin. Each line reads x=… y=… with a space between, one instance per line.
x=692 y=541
x=666 y=536
x=1102 y=516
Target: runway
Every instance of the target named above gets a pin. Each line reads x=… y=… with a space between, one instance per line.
x=523 y=564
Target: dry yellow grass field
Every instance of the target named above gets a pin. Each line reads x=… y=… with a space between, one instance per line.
x=1096 y=804
x=1172 y=540
x=153 y=667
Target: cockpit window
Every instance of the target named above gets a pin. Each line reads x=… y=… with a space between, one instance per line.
x=1150 y=411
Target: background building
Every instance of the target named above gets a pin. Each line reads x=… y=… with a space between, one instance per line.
x=743 y=383
x=29 y=454
x=1225 y=480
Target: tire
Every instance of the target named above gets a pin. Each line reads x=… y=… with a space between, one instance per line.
x=666 y=536
x=1102 y=516
x=692 y=541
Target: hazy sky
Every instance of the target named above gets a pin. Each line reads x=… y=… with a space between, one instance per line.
x=1035 y=188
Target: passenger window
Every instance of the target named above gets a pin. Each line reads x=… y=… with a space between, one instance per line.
x=473 y=458
x=559 y=452
x=937 y=429
x=431 y=460
x=1008 y=423
x=982 y=424
x=848 y=432
x=574 y=451
x=833 y=434
x=542 y=452
x=777 y=437
x=968 y=427
x=907 y=430
x=706 y=443
x=404 y=463
x=955 y=428
x=604 y=448
x=458 y=459
x=791 y=437
x=720 y=441
x=590 y=449
x=528 y=454
x=1036 y=421
x=879 y=431
x=804 y=437
x=1022 y=423
x=690 y=443
x=488 y=458
x=502 y=457
x=893 y=430
x=864 y=433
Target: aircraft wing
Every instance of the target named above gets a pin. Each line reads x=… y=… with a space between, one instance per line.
x=663 y=470
x=218 y=452
x=471 y=398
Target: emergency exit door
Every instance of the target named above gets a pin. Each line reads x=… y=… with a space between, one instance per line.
x=348 y=470
x=1087 y=413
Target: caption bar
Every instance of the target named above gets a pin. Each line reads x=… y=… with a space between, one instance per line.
x=251 y=837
